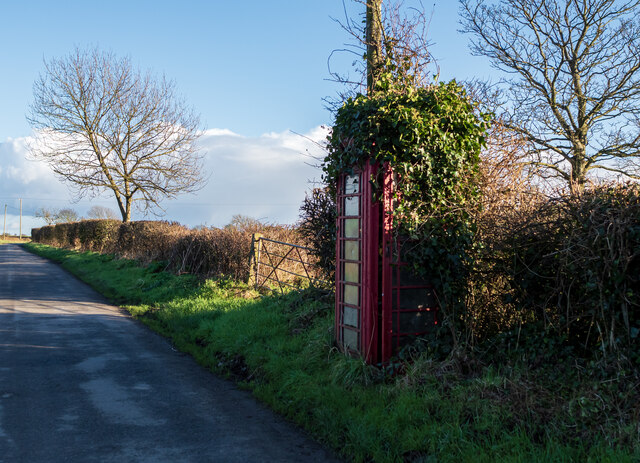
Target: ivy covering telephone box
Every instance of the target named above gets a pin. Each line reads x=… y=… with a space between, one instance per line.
x=404 y=162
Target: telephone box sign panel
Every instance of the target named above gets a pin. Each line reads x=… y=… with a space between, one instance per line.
x=356 y=273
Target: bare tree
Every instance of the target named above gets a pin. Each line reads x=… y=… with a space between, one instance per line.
x=66 y=215
x=48 y=215
x=245 y=224
x=574 y=88
x=53 y=216
x=104 y=126
x=101 y=212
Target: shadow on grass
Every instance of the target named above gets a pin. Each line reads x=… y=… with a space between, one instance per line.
x=122 y=281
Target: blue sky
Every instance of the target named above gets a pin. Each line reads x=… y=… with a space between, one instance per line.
x=256 y=71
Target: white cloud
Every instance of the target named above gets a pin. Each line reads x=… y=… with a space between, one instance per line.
x=265 y=177
x=219 y=132
x=17 y=169
x=32 y=181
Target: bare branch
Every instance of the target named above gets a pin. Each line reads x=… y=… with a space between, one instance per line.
x=103 y=125
x=404 y=44
x=574 y=86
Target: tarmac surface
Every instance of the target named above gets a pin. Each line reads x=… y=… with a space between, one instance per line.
x=81 y=381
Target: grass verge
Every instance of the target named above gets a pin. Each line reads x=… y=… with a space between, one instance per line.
x=281 y=348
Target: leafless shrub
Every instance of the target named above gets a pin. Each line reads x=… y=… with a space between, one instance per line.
x=148 y=241
x=213 y=252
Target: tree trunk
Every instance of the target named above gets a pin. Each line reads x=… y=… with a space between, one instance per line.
x=374 y=39
x=127 y=212
x=125 y=208
x=578 y=171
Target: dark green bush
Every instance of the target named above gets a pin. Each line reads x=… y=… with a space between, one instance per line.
x=317 y=226
x=566 y=268
x=99 y=235
x=577 y=267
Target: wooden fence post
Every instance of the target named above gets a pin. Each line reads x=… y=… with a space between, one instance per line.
x=254 y=259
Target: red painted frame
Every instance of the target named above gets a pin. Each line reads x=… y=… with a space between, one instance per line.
x=369 y=216
x=392 y=286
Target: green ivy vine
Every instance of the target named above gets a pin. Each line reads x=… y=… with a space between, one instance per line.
x=431 y=137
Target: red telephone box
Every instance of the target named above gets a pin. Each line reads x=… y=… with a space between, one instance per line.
x=380 y=304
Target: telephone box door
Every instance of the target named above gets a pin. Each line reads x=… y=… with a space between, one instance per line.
x=357 y=261
x=409 y=306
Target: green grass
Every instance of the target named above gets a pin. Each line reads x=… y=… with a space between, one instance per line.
x=281 y=348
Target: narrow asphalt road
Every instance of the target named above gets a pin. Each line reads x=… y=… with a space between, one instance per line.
x=81 y=381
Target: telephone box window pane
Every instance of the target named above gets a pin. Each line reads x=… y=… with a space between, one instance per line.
x=350 y=316
x=352 y=184
x=352 y=272
x=352 y=205
x=416 y=322
x=350 y=339
x=351 y=228
x=351 y=294
x=351 y=250
x=420 y=299
x=407 y=276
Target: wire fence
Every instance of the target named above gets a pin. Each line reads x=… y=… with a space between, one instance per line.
x=281 y=265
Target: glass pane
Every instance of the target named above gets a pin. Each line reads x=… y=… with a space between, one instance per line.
x=352 y=272
x=417 y=299
x=351 y=250
x=351 y=205
x=351 y=294
x=408 y=277
x=351 y=184
x=350 y=339
x=350 y=316
x=413 y=322
x=351 y=228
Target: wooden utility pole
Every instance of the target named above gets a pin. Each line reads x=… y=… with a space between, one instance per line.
x=20 y=218
x=374 y=40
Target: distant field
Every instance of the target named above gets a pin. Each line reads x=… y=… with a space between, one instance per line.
x=14 y=239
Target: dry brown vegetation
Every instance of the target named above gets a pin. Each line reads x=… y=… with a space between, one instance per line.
x=209 y=252
x=566 y=263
